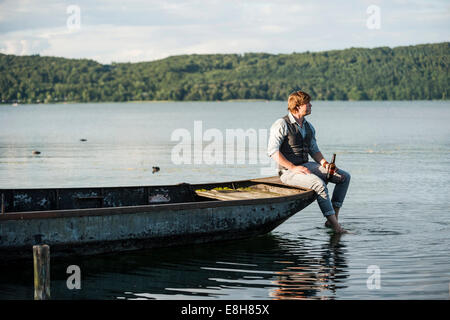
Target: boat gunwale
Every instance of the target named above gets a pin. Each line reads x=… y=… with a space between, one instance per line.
x=256 y=180
x=65 y=213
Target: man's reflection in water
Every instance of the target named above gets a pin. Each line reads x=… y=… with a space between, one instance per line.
x=277 y=266
x=315 y=278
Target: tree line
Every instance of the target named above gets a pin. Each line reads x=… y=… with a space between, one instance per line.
x=417 y=72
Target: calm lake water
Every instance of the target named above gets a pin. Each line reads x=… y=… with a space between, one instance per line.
x=397 y=207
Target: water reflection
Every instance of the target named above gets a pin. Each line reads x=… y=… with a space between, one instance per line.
x=266 y=267
x=316 y=278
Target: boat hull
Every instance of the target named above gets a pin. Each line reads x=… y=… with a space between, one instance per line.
x=104 y=230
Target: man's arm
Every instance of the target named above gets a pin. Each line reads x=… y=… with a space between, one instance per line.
x=282 y=161
x=318 y=157
x=315 y=152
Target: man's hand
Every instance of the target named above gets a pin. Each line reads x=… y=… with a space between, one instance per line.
x=332 y=166
x=300 y=169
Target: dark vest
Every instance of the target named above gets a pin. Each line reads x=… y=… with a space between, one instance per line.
x=294 y=147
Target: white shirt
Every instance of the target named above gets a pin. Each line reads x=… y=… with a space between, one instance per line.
x=279 y=131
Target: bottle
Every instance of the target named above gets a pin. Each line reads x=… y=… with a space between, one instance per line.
x=331 y=167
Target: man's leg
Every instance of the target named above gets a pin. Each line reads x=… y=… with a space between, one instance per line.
x=342 y=180
x=336 y=210
x=311 y=181
x=333 y=223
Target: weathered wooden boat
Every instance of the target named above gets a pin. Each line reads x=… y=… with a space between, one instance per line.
x=79 y=221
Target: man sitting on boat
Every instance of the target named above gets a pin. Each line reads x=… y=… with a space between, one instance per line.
x=291 y=139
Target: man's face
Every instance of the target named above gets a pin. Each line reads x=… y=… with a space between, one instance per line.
x=305 y=109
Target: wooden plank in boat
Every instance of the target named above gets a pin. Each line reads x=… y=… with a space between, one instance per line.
x=236 y=194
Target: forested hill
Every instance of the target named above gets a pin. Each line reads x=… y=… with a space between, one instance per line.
x=403 y=73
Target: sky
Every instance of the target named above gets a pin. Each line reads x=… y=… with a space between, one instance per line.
x=137 y=30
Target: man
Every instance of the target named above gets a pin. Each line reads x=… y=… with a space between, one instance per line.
x=291 y=139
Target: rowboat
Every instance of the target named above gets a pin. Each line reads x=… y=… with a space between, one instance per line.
x=84 y=221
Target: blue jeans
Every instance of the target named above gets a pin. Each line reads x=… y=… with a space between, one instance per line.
x=317 y=182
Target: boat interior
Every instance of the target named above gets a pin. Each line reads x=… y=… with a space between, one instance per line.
x=25 y=200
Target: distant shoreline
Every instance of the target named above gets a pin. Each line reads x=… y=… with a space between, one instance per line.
x=138 y=101
x=418 y=72
x=205 y=101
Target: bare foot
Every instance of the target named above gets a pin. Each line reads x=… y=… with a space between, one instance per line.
x=340 y=230
x=328 y=224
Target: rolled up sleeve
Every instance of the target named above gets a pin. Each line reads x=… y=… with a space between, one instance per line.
x=278 y=132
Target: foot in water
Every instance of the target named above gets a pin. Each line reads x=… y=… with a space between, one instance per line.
x=340 y=231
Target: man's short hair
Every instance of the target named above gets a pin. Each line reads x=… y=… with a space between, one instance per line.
x=298 y=98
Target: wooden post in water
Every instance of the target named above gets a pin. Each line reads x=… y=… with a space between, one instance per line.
x=3 y=204
x=41 y=262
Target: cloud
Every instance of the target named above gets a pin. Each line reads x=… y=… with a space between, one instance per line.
x=136 y=30
x=24 y=46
